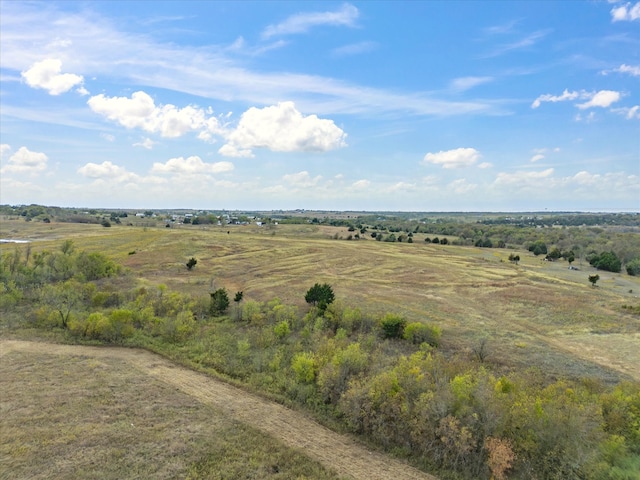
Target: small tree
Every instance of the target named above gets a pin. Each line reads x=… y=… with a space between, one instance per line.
x=191 y=263
x=320 y=296
x=594 y=279
x=219 y=302
x=237 y=299
x=392 y=326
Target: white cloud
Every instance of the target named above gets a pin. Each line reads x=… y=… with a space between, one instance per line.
x=282 y=128
x=140 y=111
x=524 y=179
x=566 y=95
x=459 y=157
x=303 y=22
x=603 y=98
x=525 y=42
x=484 y=165
x=591 y=117
x=354 y=49
x=630 y=113
x=4 y=149
x=537 y=157
x=108 y=137
x=191 y=166
x=46 y=75
x=626 y=12
x=145 y=143
x=102 y=49
x=461 y=186
x=465 y=83
x=24 y=161
x=634 y=71
x=107 y=170
x=361 y=183
x=228 y=150
x=301 y=179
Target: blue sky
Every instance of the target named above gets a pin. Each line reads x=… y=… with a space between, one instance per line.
x=418 y=106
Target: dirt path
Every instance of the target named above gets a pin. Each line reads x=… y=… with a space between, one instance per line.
x=333 y=450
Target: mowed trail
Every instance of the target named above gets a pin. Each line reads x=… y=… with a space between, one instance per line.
x=336 y=451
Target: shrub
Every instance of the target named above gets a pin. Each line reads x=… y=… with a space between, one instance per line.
x=633 y=267
x=392 y=326
x=418 y=333
x=305 y=367
x=219 y=302
x=608 y=261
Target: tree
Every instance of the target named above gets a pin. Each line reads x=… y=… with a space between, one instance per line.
x=514 y=258
x=191 y=263
x=594 y=279
x=237 y=299
x=633 y=267
x=608 y=261
x=219 y=302
x=320 y=296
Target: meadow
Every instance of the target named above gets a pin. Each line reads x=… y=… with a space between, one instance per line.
x=510 y=327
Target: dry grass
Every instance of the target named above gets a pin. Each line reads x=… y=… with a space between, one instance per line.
x=78 y=416
x=534 y=313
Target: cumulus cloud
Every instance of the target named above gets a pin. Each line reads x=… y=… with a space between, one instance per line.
x=346 y=16
x=140 y=111
x=191 y=166
x=107 y=170
x=282 y=128
x=46 y=75
x=4 y=149
x=24 y=161
x=459 y=157
x=566 y=95
x=603 y=99
x=626 y=12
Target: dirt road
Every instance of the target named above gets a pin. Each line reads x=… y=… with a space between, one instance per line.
x=338 y=452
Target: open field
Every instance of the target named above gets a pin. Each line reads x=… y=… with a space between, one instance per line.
x=108 y=412
x=536 y=313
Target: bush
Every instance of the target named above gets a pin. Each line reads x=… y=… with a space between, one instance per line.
x=608 y=261
x=320 y=295
x=633 y=267
x=418 y=333
x=392 y=326
x=219 y=302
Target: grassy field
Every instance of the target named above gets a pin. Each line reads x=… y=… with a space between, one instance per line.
x=84 y=416
x=536 y=313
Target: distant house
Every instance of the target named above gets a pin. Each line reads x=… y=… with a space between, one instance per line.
x=140 y=215
x=259 y=224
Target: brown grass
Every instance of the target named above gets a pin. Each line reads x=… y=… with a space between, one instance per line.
x=534 y=313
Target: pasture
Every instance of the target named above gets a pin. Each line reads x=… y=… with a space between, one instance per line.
x=535 y=313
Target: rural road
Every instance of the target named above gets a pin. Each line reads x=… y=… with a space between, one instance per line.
x=337 y=452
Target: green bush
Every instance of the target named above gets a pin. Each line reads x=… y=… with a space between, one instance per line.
x=392 y=326
x=418 y=333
